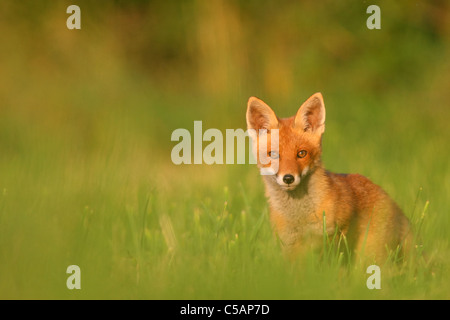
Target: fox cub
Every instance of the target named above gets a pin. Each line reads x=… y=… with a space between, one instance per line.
x=302 y=193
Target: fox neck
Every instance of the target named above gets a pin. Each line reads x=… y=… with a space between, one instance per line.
x=304 y=200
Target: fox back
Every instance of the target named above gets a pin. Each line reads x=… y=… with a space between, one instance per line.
x=302 y=193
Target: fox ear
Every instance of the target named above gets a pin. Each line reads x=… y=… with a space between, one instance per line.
x=260 y=115
x=311 y=115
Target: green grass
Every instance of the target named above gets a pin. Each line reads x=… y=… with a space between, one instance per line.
x=85 y=124
x=140 y=229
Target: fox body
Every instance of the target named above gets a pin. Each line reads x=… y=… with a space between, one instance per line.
x=302 y=193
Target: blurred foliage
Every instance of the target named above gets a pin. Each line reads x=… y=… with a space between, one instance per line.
x=226 y=49
x=137 y=70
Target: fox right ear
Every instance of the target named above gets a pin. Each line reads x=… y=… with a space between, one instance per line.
x=311 y=115
x=260 y=115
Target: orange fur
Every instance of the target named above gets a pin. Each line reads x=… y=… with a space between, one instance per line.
x=354 y=206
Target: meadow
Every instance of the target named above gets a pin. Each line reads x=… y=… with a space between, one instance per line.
x=86 y=118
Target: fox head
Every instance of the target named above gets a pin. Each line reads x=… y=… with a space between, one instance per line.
x=289 y=149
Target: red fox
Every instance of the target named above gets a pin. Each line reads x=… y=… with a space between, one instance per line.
x=302 y=194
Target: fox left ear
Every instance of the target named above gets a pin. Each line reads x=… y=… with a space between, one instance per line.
x=311 y=115
x=260 y=115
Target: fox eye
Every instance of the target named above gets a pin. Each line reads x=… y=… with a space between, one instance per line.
x=302 y=153
x=274 y=154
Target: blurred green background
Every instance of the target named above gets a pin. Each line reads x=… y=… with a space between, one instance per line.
x=86 y=118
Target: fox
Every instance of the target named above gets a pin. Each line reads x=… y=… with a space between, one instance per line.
x=306 y=200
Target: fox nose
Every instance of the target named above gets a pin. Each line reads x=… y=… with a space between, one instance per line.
x=288 y=178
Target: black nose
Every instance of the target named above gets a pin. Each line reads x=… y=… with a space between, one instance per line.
x=288 y=178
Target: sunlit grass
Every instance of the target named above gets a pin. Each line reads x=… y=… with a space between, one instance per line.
x=211 y=239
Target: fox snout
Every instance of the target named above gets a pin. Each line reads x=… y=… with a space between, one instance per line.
x=288 y=178
x=288 y=181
